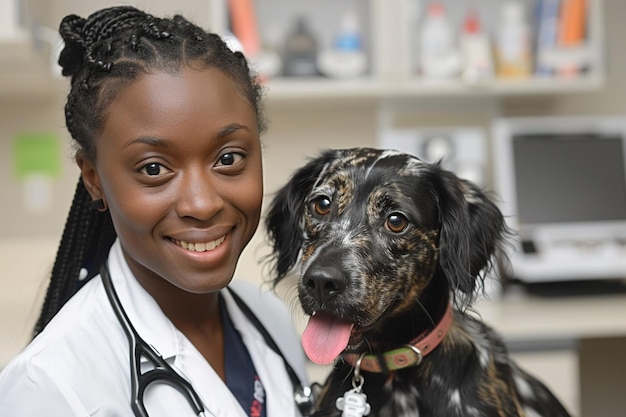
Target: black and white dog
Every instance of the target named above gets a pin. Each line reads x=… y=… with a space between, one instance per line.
x=393 y=251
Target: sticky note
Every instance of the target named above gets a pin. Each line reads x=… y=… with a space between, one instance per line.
x=37 y=154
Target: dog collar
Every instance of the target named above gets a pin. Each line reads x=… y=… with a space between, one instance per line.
x=411 y=354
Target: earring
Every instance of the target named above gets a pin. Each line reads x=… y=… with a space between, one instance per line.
x=98 y=205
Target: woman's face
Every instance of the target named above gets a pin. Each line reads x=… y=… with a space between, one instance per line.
x=179 y=166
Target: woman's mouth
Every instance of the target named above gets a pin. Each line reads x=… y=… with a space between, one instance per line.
x=199 y=246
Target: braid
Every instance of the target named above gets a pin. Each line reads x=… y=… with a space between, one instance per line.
x=88 y=235
x=102 y=54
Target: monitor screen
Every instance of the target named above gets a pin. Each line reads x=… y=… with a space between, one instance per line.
x=569 y=178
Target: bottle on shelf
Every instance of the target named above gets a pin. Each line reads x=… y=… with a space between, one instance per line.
x=346 y=58
x=513 y=42
x=476 y=50
x=439 y=56
x=300 y=51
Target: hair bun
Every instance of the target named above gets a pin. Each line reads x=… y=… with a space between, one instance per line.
x=72 y=55
x=83 y=37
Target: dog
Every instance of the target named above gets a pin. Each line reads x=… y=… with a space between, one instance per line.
x=393 y=251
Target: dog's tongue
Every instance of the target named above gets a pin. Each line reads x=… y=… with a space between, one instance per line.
x=325 y=337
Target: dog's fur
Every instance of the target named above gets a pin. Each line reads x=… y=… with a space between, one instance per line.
x=386 y=241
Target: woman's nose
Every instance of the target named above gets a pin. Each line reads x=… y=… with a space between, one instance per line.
x=198 y=196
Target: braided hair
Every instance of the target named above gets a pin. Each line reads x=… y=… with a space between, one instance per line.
x=102 y=54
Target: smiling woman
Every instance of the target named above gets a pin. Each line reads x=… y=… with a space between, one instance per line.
x=167 y=123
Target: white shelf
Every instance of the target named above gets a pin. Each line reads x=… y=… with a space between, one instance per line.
x=40 y=84
x=24 y=72
x=283 y=89
x=502 y=87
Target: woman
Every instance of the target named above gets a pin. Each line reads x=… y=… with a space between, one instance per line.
x=166 y=121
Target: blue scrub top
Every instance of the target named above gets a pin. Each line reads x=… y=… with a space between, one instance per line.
x=241 y=377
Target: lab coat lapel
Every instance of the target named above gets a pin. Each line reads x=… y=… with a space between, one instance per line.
x=143 y=311
x=269 y=365
x=214 y=393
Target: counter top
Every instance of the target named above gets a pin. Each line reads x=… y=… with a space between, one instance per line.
x=525 y=316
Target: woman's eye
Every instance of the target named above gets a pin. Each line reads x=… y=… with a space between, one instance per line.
x=396 y=223
x=153 y=169
x=322 y=206
x=230 y=158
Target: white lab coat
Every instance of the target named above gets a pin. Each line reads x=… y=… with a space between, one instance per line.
x=79 y=365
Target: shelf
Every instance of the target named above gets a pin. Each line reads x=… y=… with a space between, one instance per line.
x=282 y=89
x=502 y=87
x=24 y=71
x=390 y=43
x=323 y=88
x=39 y=84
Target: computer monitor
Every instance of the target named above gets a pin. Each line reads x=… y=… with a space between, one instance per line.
x=562 y=185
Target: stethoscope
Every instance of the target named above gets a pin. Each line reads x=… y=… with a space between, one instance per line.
x=304 y=396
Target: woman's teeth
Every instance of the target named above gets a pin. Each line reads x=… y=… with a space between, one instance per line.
x=200 y=247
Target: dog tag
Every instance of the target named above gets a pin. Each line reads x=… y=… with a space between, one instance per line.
x=353 y=403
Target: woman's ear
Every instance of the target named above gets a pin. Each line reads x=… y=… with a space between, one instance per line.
x=90 y=176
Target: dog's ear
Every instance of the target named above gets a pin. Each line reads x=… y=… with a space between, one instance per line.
x=285 y=217
x=472 y=232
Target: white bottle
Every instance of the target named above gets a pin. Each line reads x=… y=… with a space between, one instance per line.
x=476 y=51
x=513 y=43
x=346 y=58
x=438 y=52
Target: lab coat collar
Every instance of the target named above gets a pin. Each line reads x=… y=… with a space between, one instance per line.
x=143 y=311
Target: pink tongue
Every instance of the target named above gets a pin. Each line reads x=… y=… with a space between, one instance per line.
x=325 y=337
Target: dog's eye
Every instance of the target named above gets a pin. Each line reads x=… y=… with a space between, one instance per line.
x=396 y=223
x=322 y=206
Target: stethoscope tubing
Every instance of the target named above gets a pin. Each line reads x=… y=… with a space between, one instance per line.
x=138 y=347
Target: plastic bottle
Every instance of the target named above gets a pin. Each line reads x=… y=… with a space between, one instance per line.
x=475 y=50
x=300 y=53
x=346 y=58
x=439 y=54
x=513 y=43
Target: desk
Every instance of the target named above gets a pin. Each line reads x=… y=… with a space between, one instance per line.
x=595 y=326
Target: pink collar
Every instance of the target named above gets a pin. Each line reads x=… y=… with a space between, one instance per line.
x=411 y=354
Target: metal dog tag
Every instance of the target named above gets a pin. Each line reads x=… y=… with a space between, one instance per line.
x=353 y=403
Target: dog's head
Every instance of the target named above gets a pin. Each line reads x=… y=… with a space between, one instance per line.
x=372 y=228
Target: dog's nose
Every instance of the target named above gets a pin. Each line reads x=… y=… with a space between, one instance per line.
x=325 y=283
